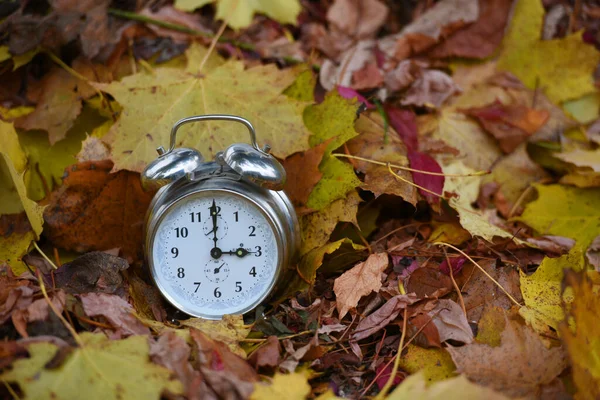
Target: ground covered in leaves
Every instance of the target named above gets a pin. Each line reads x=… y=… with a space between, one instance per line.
x=443 y=157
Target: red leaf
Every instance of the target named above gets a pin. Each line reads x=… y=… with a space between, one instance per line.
x=456 y=263
x=404 y=122
x=387 y=372
x=349 y=93
x=435 y=183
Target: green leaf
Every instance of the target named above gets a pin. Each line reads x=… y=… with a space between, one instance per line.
x=333 y=120
x=562 y=68
x=102 y=369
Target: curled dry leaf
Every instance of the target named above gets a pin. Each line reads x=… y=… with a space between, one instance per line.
x=431 y=89
x=39 y=310
x=97 y=210
x=451 y=322
x=267 y=355
x=359 y=281
x=383 y=316
x=116 y=311
x=532 y=364
x=229 y=330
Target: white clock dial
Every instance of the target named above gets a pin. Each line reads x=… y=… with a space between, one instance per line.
x=214 y=253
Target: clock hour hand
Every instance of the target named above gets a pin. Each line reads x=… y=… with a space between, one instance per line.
x=241 y=252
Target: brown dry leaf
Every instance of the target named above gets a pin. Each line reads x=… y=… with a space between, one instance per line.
x=520 y=366
x=593 y=253
x=14 y=294
x=359 y=281
x=371 y=144
x=431 y=89
x=440 y=20
x=511 y=125
x=302 y=170
x=95 y=271
x=96 y=210
x=368 y=77
x=357 y=18
x=57 y=107
x=116 y=311
x=429 y=281
x=480 y=39
x=383 y=316
x=451 y=322
x=226 y=375
x=172 y=15
x=39 y=310
x=229 y=330
x=172 y=352
x=267 y=355
x=405 y=73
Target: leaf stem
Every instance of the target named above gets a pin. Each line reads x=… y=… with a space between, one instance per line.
x=44 y=255
x=412 y=183
x=460 y=297
x=481 y=268
x=392 y=377
x=477 y=173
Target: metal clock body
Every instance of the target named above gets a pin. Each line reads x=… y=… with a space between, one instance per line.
x=217 y=237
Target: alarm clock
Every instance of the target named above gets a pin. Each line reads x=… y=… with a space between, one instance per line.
x=219 y=234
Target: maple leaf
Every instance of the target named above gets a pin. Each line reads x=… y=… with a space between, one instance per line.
x=20 y=217
x=579 y=216
x=562 y=67
x=531 y=363
x=433 y=364
x=96 y=210
x=152 y=103
x=467 y=189
x=333 y=121
x=101 y=368
x=292 y=386
x=359 y=281
x=583 y=342
x=239 y=13
x=415 y=388
x=542 y=291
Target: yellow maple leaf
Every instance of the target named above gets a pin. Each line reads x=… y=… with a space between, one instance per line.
x=290 y=387
x=239 y=13
x=153 y=102
x=562 y=68
x=583 y=339
x=101 y=369
x=23 y=215
x=459 y=388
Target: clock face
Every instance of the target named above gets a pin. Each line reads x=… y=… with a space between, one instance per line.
x=214 y=253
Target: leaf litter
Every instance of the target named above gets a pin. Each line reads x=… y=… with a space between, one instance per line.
x=442 y=157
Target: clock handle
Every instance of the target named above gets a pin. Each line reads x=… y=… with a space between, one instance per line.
x=213 y=117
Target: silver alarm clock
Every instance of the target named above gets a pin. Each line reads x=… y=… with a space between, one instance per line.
x=219 y=234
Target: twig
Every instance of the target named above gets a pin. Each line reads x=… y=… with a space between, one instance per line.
x=44 y=255
x=460 y=297
x=404 y=168
x=11 y=390
x=413 y=184
x=279 y=338
x=390 y=380
x=482 y=270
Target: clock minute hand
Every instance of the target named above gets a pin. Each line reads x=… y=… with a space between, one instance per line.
x=216 y=251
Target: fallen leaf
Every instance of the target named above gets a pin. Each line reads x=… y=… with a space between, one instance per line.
x=532 y=365
x=510 y=125
x=593 y=253
x=582 y=340
x=433 y=183
x=433 y=364
x=456 y=264
x=579 y=216
x=428 y=281
x=96 y=210
x=431 y=89
x=20 y=218
x=302 y=173
x=225 y=373
x=333 y=121
x=542 y=291
x=95 y=271
x=451 y=322
x=456 y=388
x=316 y=227
x=481 y=38
x=229 y=330
x=292 y=386
x=372 y=144
x=239 y=14
x=582 y=158
x=358 y=19
x=116 y=311
x=383 y=316
x=467 y=190
x=476 y=149
x=359 y=281
x=102 y=368
x=562 y=67
x=226 y=88
x=426 y=30
x=267 y=355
